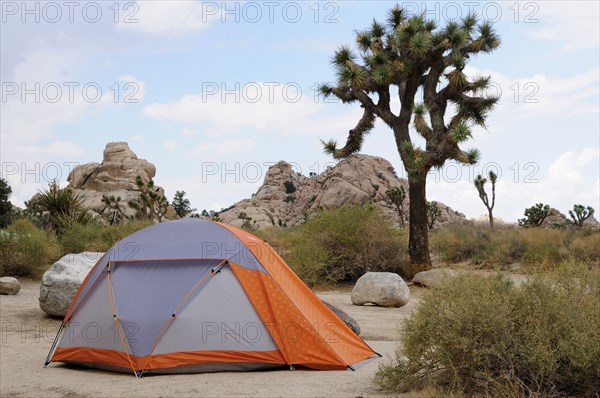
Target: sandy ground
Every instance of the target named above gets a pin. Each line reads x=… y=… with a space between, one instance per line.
x=27 y=334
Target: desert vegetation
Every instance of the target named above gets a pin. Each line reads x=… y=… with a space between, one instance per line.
x=485 y=336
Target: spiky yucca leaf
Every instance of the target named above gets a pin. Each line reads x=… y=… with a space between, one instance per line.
x=342 y=56
x=325 y=90
x=382 y=74
x=458 y=38
x=420 y=109
x=457 y=79
x=460 y=133
x=377 y=29
x=396 y=16
x=457 y=60
x=493 y=177
x=473 y=156
x=469 y=22
x=430 y=25
x=363 y=39
x=481 y=83
x=420 y=43
x=329 y=147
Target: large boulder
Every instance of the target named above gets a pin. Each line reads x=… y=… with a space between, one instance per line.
x=115 y=176
x=347 y=319
x=385 y=289
x=9 y=285
x=61 y=281
x=434 y=277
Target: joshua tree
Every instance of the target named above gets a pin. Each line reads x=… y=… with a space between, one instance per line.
x=535 y=215
x=414 y=57
x=6 y=209
x=433 y=213
x=181 y=204
x=113 y=211
x=396 y=196
x=150 y=204
x=480 y=185
x=580 y=213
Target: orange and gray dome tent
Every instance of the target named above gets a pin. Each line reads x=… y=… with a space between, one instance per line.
x=194 y=295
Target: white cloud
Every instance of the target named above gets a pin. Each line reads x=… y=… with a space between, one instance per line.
x=138 y=138
x=133 y=89
x=172 y=17
x=226 y=147
x=278 y=108
x=169 y=145
x=573 y=23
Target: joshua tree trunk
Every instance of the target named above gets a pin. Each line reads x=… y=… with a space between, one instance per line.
x=491 y=217
x=418 y=245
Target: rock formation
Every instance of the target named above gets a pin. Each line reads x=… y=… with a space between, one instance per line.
x=287 y=198
x=116 y=176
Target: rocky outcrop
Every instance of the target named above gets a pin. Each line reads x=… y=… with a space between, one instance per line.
x=347 y=319
x=286 y=198
x=384 y=289
x=115 y=176
x=9 y=285
x=433 y=278
x=61 y=281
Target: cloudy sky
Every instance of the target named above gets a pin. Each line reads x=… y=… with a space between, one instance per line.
x=214 y=92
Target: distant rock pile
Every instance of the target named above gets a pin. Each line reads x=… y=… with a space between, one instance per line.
x=116 y=176
x=286 y=198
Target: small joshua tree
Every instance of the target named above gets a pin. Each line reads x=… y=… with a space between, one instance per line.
x=433 y=213
x=580 y=213
x=480 y=185
x=150 y=204
x=396 y=196
x=113 y=211
x=535 y=215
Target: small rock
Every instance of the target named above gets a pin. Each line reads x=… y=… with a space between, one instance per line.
x=62 y=280
x=347 y=319
x=434 y=277
x=9 y=285
x=385 y=289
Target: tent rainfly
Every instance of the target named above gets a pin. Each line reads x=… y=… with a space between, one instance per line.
x=192 y=296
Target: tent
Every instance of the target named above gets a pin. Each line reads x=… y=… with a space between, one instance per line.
x=194 y=295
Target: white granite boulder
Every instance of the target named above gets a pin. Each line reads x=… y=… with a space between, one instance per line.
x=434 y=277
x=385 y=289
x=61 y=281
x=9 y=285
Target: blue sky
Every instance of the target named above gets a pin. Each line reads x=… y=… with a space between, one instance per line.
x=214 y=92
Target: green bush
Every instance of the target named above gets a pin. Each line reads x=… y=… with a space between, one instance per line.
x=91 y=237
x=26 y=250
x=340 y=245
x=484 y=335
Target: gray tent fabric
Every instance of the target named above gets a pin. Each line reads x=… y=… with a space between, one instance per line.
x=221 y=317
x=181 y=239
x=148 y=292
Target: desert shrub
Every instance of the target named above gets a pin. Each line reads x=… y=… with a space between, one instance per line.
x=78 y=238
x=26 y=250
x=534 y=247
x=340 y=245
x=484 y=335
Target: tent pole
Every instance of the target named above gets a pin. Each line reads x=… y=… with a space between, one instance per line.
x=54 y=344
